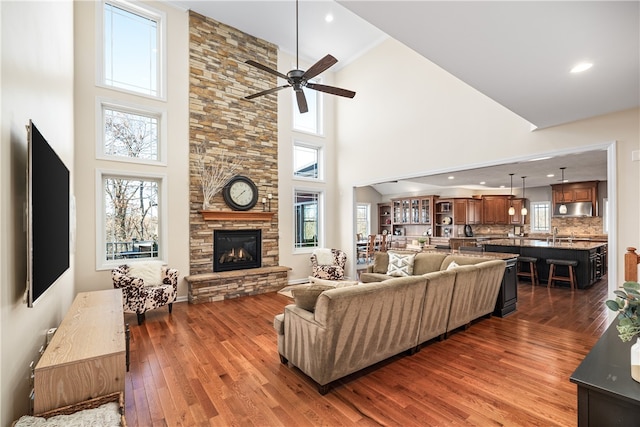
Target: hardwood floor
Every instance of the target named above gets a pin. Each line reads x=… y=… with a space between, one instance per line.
x=217 y=364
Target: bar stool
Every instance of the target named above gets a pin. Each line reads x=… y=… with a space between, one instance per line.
x=532 y=274
x=571 y=278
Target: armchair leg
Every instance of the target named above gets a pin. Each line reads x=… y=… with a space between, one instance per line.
x=170 y=307
x=140 y=318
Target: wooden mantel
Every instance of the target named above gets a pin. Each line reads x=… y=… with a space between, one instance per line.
x=236 y=215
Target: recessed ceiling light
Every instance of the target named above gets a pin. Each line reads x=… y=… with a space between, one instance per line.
x=502 y=186
x=328 y=18
x=451 y=177
x=583 y=66
x=550 y=175
x=483 y=182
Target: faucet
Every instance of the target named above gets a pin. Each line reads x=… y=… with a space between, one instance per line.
x=555 y=234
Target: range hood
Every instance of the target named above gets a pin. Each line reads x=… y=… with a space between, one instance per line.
x=574 y=210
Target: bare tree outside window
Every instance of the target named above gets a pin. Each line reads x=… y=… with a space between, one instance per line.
x=130 y=135
x=131 y=214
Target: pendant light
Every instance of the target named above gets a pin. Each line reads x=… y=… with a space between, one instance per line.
x=563 y=208
x=523 y=212
x=512 y=210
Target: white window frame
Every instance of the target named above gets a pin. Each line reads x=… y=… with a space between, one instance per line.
x=533 y=214
x=320 y=243
x=319 y=111
x=101 y=254
x=153 y=14
x=319 y=147
x=368 y=208
x=159 y=113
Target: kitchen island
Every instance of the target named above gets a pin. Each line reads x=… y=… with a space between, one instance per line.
x=591 y=256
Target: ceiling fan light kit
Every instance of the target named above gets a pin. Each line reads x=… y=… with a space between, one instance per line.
x=299 y=79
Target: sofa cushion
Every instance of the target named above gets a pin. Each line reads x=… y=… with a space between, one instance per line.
x=426 y=262
x=462 y=260
x=373 y=277
x=278 y=323
x=332 y=283
x=452 y=265
x=305 y=296
x=400 y=265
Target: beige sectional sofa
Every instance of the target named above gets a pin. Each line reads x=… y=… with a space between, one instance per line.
x=355 y=327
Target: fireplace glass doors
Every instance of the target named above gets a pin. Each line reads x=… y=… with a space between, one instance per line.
x=236 y=249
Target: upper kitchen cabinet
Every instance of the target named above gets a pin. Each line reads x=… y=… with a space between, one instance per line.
x=467 y=211
x=575 y=192
x=495 y=210
x=517 y=218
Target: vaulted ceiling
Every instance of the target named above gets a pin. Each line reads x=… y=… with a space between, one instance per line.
x=518 y=53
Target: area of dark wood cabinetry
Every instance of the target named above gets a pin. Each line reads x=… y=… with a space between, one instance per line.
x=517 y=218
x=495 y=209
x=586 y=191
x=508 y=296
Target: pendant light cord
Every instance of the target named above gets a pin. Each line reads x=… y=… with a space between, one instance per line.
x=297 y=65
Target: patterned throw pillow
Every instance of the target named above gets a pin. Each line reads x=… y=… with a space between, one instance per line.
x=400 y=265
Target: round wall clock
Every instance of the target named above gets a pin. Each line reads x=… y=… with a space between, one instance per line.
x=240 y=193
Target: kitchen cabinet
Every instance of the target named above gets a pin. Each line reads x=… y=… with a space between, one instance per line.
x=495 y=210
x=586 y=191
x=415 y=210
x=508 y=295
x=517 y=218
x=467 y=211
x=384 y=218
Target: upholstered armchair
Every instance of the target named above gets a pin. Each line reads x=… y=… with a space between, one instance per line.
x=328 y=264
x=146 y=286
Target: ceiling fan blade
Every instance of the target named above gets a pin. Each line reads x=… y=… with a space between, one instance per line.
x=332 y=90
x=265 y=68
x=319 y=67
x=302 y=101
x=266 y=92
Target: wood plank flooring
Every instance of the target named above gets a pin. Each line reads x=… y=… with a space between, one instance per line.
x=216 y=364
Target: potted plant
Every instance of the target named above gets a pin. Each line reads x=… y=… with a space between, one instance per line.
x=422 y=241
x=626 y=305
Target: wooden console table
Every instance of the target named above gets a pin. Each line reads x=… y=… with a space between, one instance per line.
x=607 y=395
x=86 y=357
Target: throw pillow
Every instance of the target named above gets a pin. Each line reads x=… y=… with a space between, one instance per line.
x=149 y=271
x=324 y=256
x=400 y=265
x=333 y=283
x=453 y=264
x=306 y=297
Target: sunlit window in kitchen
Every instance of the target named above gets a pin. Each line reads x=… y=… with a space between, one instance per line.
x=540 y=217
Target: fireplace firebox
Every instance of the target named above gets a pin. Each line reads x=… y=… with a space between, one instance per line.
x=236 y=249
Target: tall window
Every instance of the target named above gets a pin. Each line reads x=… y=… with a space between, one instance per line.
x=363 y=223
x=307 y=219
x=132 y=48
x=311 y=121
x=131 y=216
x=130 y=133
x=540 y=217
x=307 y=161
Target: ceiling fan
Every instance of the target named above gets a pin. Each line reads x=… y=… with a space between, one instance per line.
x=298 y=79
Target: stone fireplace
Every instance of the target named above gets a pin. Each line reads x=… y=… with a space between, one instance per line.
x=223 y=123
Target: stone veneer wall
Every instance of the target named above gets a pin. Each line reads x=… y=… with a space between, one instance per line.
x=223 y=122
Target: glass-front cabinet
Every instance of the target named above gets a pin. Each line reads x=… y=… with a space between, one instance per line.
x=412 y=211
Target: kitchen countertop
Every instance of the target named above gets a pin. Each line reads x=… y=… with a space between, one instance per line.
x=492 y=255
x=543 y=244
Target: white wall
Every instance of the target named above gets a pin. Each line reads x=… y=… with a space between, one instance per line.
x=177 y=169
x=299 y=261
x=36 y=82
x=424 y=120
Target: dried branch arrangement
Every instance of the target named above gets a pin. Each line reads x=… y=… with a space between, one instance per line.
x=215 y=174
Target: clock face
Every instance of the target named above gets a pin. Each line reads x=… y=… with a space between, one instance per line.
x=240 y=193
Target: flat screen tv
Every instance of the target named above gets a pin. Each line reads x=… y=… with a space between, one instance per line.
x=47 y=215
